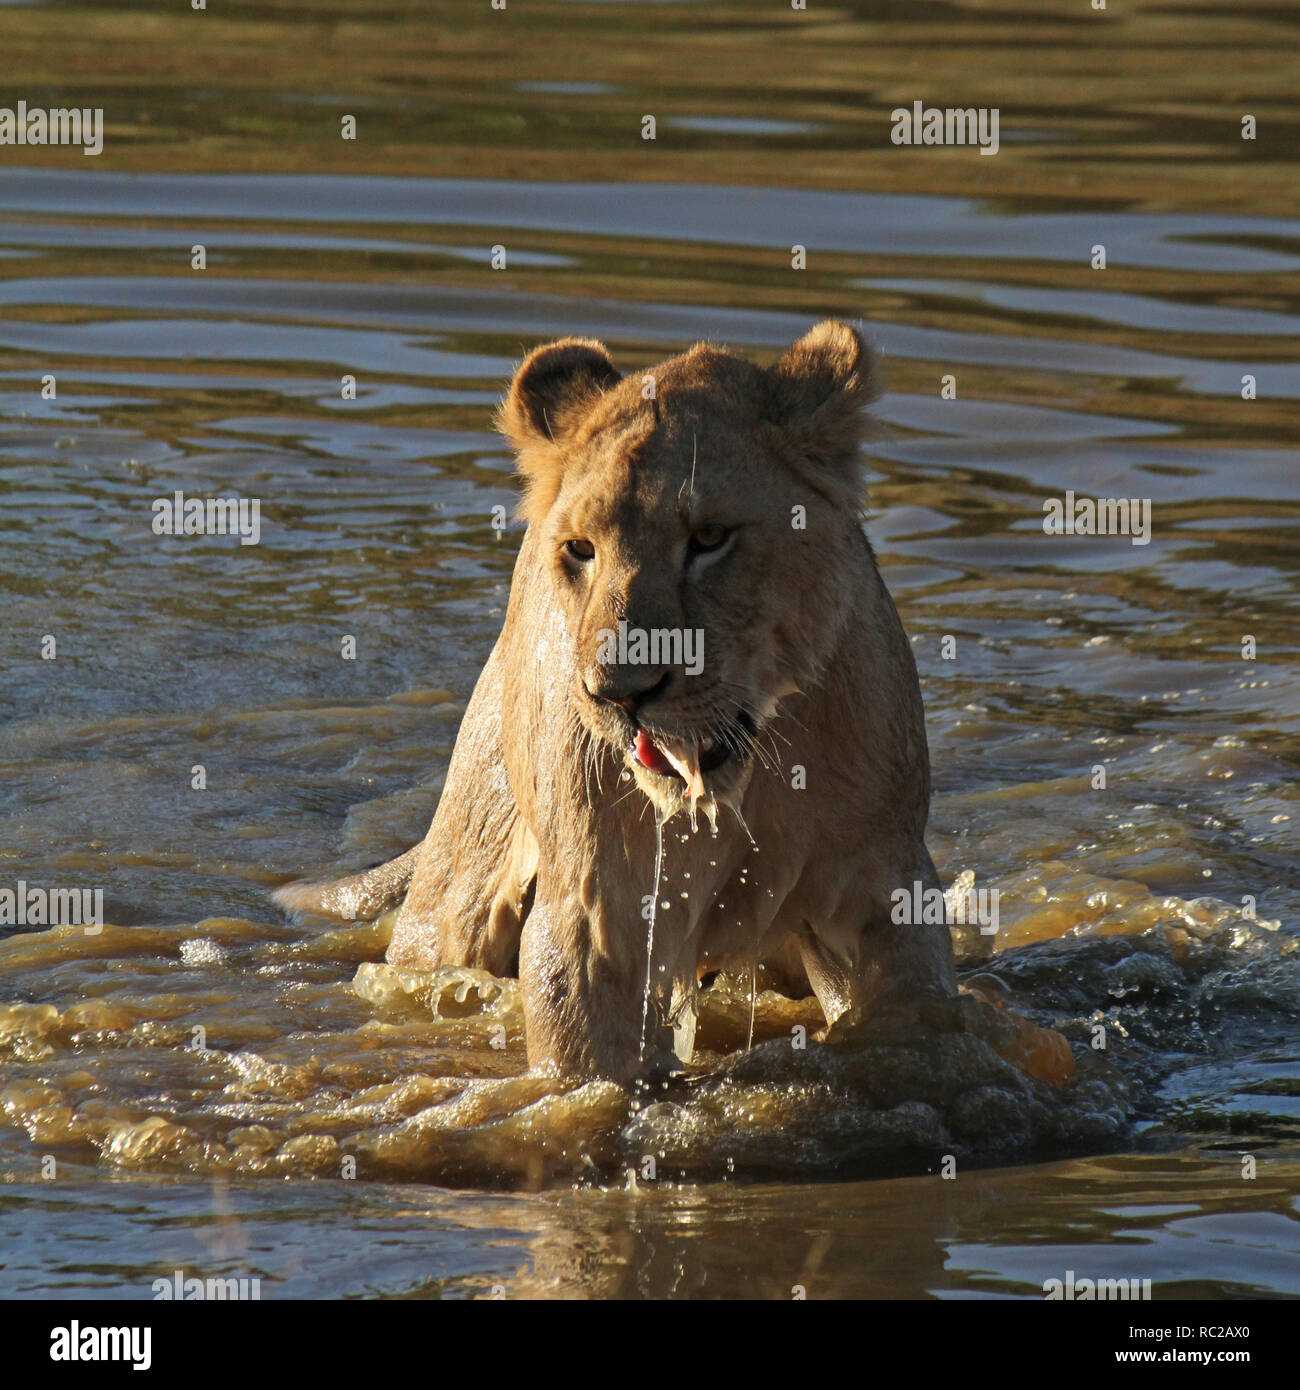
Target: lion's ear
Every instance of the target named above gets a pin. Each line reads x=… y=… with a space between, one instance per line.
x=553 y=389
x=817 y=392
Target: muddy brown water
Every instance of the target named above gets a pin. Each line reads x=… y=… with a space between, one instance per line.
x=187 y=1088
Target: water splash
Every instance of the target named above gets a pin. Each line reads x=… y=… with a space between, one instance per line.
x=753 y=999
x=650 y=935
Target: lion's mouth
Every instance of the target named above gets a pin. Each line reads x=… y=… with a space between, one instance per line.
x=690 y=759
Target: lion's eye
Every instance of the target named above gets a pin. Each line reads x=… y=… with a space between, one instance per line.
x=579 y=550
x=707 y=538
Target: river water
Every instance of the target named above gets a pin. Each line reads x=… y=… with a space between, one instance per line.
x=190 y=1088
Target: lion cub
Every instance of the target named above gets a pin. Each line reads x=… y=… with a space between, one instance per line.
x=699 y=659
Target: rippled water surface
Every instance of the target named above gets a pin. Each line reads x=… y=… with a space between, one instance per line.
x=202 y=1072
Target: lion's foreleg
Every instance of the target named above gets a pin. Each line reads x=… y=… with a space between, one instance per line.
x=584 y=993
x=854 y=963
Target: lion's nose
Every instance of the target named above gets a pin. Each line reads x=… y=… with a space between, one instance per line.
x=629 y=687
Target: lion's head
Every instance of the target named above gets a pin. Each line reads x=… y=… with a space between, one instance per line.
x=695 y=518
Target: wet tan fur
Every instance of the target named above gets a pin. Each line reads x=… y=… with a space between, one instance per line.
x=542 y=851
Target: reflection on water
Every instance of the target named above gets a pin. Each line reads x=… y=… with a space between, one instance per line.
x=198 y=1046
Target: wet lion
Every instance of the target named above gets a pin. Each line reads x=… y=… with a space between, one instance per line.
x=699 y=652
